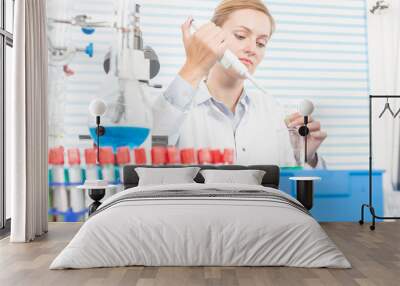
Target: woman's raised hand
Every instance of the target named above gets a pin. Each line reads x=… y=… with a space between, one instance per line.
x=203 y=49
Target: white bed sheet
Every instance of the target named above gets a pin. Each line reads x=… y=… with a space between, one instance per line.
x=200 y=231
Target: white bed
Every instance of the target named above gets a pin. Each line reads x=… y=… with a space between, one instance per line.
x=225 y=225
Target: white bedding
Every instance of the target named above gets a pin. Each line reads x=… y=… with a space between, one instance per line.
x=182 y=231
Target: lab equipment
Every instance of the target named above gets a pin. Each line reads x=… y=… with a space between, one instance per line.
x=61 y=51
x=130 y=67
x=130 y=56
x=119 y=136
x=67 y=201
x=229 y=60
x=119 y=131
x=83 y=21
x=127 y=120
x=62 y=55
x=132 y=60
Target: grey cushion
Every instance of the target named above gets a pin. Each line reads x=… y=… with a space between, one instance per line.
x=248 y=177
x=163 y=176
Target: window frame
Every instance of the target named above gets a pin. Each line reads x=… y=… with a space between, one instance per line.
x=6 y=39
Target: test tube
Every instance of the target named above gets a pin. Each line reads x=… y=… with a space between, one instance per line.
x=91 y=171
x=187 y=156
x=228 y=156
x=158 y=155
x=60 y=195
x=216 y=156
x=123 y=158
x=77 y=196
x=204 y=156
x=139 y=155
x=173 y=157
x=107 y=160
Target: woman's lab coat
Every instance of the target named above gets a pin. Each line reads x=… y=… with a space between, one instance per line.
x=191 y=119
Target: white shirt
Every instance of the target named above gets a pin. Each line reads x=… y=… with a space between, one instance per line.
x=256 y=131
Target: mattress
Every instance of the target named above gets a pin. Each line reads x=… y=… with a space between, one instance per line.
x=201 y=225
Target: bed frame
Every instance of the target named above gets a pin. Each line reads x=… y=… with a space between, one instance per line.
x=270 y=179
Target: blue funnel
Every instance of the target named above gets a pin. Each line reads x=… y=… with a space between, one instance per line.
x=89 y=50
x=88 y=30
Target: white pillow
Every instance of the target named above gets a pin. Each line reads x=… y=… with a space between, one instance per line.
x=165 y=176
x=248 y=177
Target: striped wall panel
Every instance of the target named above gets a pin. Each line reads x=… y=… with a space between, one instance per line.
x=319 y=52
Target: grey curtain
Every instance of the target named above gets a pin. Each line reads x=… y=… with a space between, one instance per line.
x=27 y=122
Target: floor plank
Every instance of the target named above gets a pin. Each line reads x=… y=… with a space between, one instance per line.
x=374 y=255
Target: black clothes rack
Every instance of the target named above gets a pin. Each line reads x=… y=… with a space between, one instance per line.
x=370 y=203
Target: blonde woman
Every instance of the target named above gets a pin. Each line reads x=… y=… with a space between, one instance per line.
x=206 y=105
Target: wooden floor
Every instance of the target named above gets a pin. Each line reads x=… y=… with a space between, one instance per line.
x=375 y=257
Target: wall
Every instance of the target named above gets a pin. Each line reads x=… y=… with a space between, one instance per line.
x=384 y=64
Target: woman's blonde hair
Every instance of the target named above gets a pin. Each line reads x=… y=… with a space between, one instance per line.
x=226 y=7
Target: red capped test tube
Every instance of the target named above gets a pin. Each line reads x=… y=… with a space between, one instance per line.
x=204 y=156
x=216 y=156
x=173 y=157
x=140 y=156
x=228 y=156
x=188 y=156
x=158 y=155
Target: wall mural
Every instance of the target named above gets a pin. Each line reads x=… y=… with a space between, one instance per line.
x=126 y=54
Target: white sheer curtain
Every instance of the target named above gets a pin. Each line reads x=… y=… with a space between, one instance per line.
x=26 y=119
x=384 y=63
